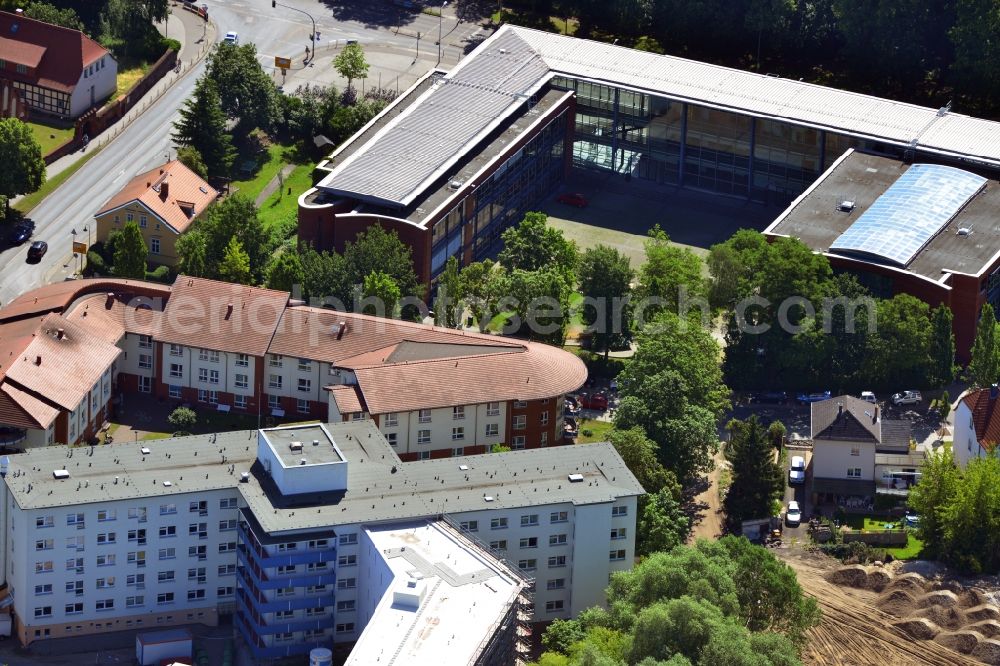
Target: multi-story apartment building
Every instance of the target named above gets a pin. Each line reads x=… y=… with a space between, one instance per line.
x=285 y=528
x=433 y=391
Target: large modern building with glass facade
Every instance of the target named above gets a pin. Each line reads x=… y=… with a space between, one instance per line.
x=460 y=156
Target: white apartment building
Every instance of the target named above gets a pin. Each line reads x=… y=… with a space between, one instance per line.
x=271 y=525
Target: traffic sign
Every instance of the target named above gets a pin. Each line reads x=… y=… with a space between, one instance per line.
x=79 y=248
x=282 y=63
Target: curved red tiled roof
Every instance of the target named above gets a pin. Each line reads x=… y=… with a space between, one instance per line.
x=57 y=54
x=985 y=416
x=58 y=296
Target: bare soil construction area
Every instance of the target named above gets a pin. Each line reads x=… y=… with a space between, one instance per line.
x=873 y=617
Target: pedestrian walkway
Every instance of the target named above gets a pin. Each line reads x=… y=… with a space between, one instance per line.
x=273 y=185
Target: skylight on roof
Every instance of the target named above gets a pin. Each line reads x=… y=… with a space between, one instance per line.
x=910 y=213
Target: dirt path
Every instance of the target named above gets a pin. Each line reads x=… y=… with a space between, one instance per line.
x=708 y=521
x=853 y=631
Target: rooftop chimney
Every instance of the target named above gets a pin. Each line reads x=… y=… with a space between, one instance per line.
x=164 y=190
x=110 y=300
x=994 y=391
x=875 y=415
x=38 y=360
x=60 y=333
x=229 y=311
x=341 y=327
x=840 y=409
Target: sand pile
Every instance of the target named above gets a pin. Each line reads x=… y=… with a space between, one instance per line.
x=879 y=579
x=945 y=598
x=919 y=628
x=972 y=597
x=983 y=612
x=988 y=651
x=897 y=602
x=946 y=618
x=988 y=628
x=913 y=582
x=960 y=641
x=854 y=575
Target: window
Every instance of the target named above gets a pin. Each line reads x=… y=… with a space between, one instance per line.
x=199 y=507
x=168 y=531
x=529 y=542
x=106 y=538
x=213 y=356
x=165 y=577
x=227 y=525
x=213 y=376
x=73 y=609
x=529 y=520
x=43 y=521
x=198 y=551
x=618 y=533
x=75 y=519
x=316 y=566
x=345 y=627
x=287 y=547
x=347 y=560
x=154 y=245
x=557 y=561
x=520 y=421
x=75 y=587
x=242 y=361
x=240 y=401
x=227 y=503
x=43 y=544
x=545 y=418
x=135 y=580
x=168 y=509
x=129 y=217
x=227 y=570
x=854 y=472
x=555 y=584
x=174 y=391
x=423 y=455
x=557 y=539
x=458 y=451
x=319 y=544
x=194 y=595
x=305 y=365
x=198 y=529
x=499 y=545
x=619 y=511
x=275 y=361
x=424 y=416
x=498 y=523
x=345 y=606
x=348 y=539
x=346 y=583
x=43 y=589
x=392 y=419
x=225 y=591
x=285 y=592
x=105 y=604
x=286 y=570
x=558 y=517
x=319 y=610
x=202 y=374
x=527 y=565
x=176 y=370
x=544 y=439
x=469 y=525
x=492 y=429
x=392 y=438
x=43 y=611
x=274 y=381
x=458 y=412
x=132 y=602
x=553 y=606
x=493 y=409
x=302 y=406
x=145 y=361
x=617 y=555
x=241 y=381
x=165 y=598
x=106 y=560
x=168 y=553
x=305 y=385
x=424 y=437
x=176 y=350
x=457 y=434
x=518 y=442
x=855 y=451
x=138 y=558
x=43 y=567
x=197 y=574
x=520 y=404
x=228 y=547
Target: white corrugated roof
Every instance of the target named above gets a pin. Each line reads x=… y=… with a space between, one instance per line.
x=420 y=146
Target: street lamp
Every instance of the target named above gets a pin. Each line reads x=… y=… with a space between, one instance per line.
x=274 y=3
x=440 y=21
x=86 y=230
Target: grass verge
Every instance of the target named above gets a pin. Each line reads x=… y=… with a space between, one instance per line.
x=48 y=137
x=127 y=78
x=251 y=187
x=594 y=431
x=28 y=202
x=281 y=205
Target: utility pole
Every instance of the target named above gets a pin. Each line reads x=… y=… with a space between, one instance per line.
x=311 y=57
x=440 y=21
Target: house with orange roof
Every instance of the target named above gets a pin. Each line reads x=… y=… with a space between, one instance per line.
x=53 y=70
x=977 y=425
x=164 y=202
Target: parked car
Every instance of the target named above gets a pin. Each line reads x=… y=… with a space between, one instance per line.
x=573 y=199
x=232 y=37
x=911 y=519
x=907 y=398
x=771 y=397
x=793 y=515
x=37 y=250
x=797 y=471
x=813 y=397
x=868 y=396
x=596 y=401
x=21 y=232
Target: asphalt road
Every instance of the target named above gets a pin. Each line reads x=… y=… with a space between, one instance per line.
x=146 y=142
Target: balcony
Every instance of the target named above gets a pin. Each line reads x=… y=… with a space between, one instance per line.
x=264 y=581
x=252 y=589
x=276 y=651
x=265 y=560
x=279 y=626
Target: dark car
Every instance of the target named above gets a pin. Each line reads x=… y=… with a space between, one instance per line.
x=37 y=250
x=771 y=397
x=21 y=232
x=573 y=199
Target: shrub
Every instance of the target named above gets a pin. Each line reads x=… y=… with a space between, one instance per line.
x=182 y=418
x=159 y=274
x=169 y=43
x=95 y=264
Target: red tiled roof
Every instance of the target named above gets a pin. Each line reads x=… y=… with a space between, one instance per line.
x=347 y=398
x=110 y=319
x=58 y=296
x=219 y=315
x=70 y=365
x=58 y=53
x=985 y=416
x=185 y=191
x=23 y=410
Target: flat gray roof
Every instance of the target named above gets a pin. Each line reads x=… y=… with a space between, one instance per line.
x=315 y=444
x=816 y=219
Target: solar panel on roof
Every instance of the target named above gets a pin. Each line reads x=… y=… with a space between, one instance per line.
x=910 y=213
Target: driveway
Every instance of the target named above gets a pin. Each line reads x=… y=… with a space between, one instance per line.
x=797 y=493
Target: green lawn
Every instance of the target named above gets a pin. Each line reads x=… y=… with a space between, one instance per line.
x=598 y=431
x=276 y=158
x=128 y=77
x=913 y=547
x=281 y=205
x=31 y=200
x=911 y=551
x=50 y=138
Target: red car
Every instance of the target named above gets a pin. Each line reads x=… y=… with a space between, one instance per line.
x=595 y=401
x=573 y=199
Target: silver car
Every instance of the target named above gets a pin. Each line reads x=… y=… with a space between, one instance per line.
x=907 y=398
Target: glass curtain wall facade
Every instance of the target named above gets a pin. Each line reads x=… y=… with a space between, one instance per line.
x=677 y=143
x=476 y=222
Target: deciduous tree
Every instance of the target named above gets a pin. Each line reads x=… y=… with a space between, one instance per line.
x=245 y=90
x=942 y=346
x=984 y=368
x=448 y=300
x=663 y=525
x=23 y=167
x=235 y=264
x=378 y=250
x=192 y=249
x=350 y=63
x=285 y=271
x=382 y=290
x=670 y=275
x=130 y=253
x=482 y=283
x=533 y=245
x=191 y=158
x=606 y=281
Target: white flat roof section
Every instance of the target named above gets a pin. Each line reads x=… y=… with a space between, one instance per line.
x=447 y=599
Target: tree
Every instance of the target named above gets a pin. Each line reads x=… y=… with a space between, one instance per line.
x=533 y=245
x=448 y=301
x=606 y=281
x=972 y=36
x=757 y=479
x=192 y=248
x=482 y=284
x=191 y=158
x=245 y=90
x=350 y=63
x=902 y=345
x=541 y=303
x=382 y=289
x=671 y=275
x=130 y=253
x=236 y=217
x=639 y=453
x=235 y=265
x=776 y=434
x=972 y=518
x=945 y=408
x=182 y=419
x=324 y=278
x=377 y=250
x=43 y=11
x=942 y=343
x=984 y=367
x=931 y=497
x=663 y=525
x=23 y=167
x=202 y=126
x=285 y=271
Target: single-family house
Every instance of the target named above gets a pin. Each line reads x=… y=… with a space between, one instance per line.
x=977 y=425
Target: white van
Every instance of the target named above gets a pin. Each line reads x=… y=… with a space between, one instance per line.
x=797 y=471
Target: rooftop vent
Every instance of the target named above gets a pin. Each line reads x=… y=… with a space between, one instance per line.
x=60 y=474
x=464 y=468
x=964 y=231
x=144 y=450
x=315 y=442
x=846 y=206
x=488 y=498
x=341 y=327
x=295 y=446
x=454 y=185
x=576 y=478
x=167 y=484
x=304 y=461
x=244 y=477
